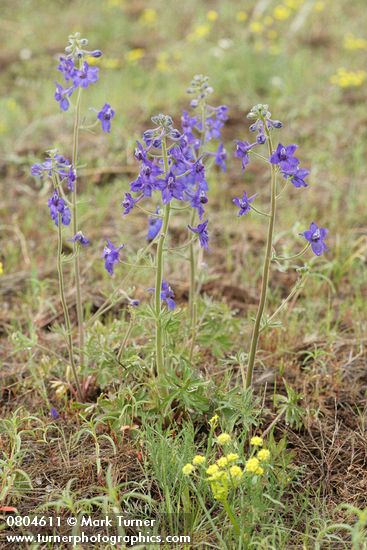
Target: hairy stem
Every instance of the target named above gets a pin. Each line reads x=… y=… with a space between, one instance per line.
x=159 y=276
x=192 y=289
x=79 y=306
x=65 y=309
x=266 y=268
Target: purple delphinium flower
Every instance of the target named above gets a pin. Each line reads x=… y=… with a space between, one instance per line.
x=67 y=68
x=222 y=112
x=202 y=231
x=297 y=176
x=284 y=156
x=154 y=226
x=147 y=180
x=111 y=256
x=197 y=200
x=61 y=96
x=71 y=177
x=242 y=151
x=128 y=203
x=167 y=295
x=85 y=76
x=105 y=115
x=57 y=206
x=140 y=153
x=221 y=157
x=244 y=204
x=315 y=236
x=172 y=188
x=80 y=238
x=54 y=414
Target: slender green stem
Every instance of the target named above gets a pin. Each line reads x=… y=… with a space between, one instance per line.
x=126 y=337
x=159 y=276
x=299 y=284
x=193 y=333
x=232 y=517
x=206 y=512
x=192 y=274
x=110 y=302
x=65 y=308
x=286 y=258
x=259 y=211
x=266 y=268
x=192 y=289
x=79 y=306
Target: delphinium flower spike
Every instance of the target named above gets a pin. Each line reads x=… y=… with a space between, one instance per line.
x=173 y=167
x=282 y=160
x=78 y=75
x=198 y=132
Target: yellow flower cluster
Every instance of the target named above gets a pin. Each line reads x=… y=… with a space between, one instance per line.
x=256 y=441
x=353 y=43
x=212 y=15
x=1 y=268
x=134 y=55
x=188 y=469
x=148 y=17
x=224 y=439
x=252 y=466
x=348 y=79
x=225 y=474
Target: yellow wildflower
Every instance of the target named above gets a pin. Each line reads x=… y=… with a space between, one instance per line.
x=223 y=439
x=236 y=472
x=281 y=12
x=252 y=465
x=1 y=268
x=198 y=460
x=319 y=6
x=220 y=491
x=134 y=55
x=93 y=60
x=217 y=476
x=188 y=469
x=348 y=79
x=264 y=454
x=212 y=469
x=353 y=43
x=256 y=441
x=259 y=471
x=232 y=457
x=256 y=27
x=214 y=421
x=149 y=16
x=199 y=32
x=222 y=461
x=212 y=15
x=241 y=16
